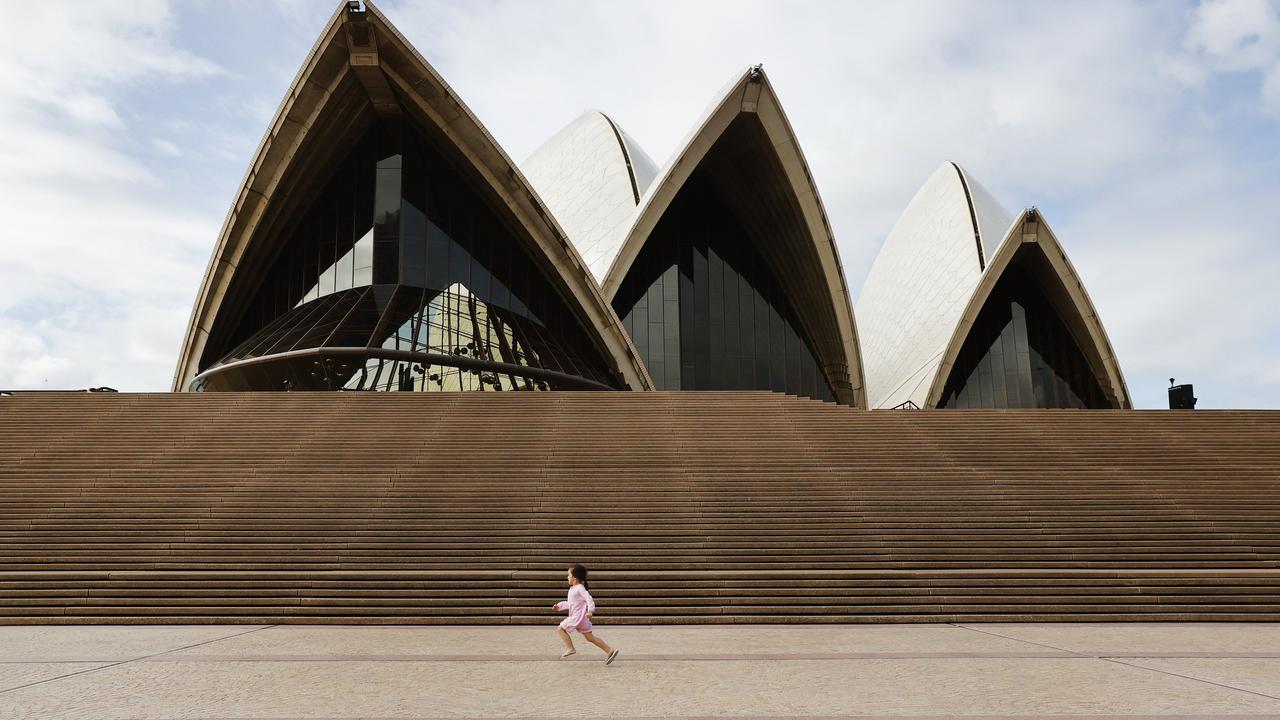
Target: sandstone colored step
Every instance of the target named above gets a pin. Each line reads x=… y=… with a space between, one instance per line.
x=690 y=507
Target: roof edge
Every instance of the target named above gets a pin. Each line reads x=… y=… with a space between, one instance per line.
x=1029 y=228
x=750 y=92
x=193 y=342
x=426 y=89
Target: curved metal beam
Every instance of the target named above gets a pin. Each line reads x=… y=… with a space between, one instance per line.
x=564 y=379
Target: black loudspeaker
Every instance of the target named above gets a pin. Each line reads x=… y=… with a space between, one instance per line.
x=1182 y=397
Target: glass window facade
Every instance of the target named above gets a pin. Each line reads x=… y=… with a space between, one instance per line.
x=1020 y=354
x=705 y=311
x=399 y=254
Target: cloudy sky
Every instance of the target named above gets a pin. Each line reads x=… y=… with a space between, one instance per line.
x=1147 y=133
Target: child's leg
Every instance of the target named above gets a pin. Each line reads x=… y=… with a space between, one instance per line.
x=564 y=638
x=597 y=642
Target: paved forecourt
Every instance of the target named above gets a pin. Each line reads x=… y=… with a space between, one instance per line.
x=885 y=671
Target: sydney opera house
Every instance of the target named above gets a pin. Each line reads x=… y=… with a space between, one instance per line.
x=700 y=435
x=382 y=240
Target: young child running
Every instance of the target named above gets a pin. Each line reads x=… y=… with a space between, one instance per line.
x=580 y=607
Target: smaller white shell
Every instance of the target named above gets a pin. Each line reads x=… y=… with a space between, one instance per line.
x=591 y=175
x=922 y=280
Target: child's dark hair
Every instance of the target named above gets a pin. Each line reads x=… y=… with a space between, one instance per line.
x=579 y=572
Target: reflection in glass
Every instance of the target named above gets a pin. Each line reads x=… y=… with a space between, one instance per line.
x=458 y=342
x=705 y=310
x=353 y=269
x=398 y=253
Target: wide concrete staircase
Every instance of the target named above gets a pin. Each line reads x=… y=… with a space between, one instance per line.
x=688 y=507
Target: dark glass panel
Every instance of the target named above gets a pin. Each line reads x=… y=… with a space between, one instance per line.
x=321 y=239
x=795 y=376
x=340 y=198
x=999 y=390
x=807 y=369
x=364 y=177
x=306 y=282
x=413 y=220
x=1009 y=360
x=777 y=352
x=312 y=233
x=747 y=334
x=716 y=379
x=437 y=255
x=481 y=258
x=386 y=221
x=264 y=340
x=701 y=331
x=670 y=377
x=764 y=339
x=459 y=256
x=732 y=325
x=724 y=323
x=640 y=339
x=398 y=213
x=352 y=329
x=344 y=266
x=300 y=323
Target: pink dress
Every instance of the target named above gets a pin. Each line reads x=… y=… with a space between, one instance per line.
x=579 y=606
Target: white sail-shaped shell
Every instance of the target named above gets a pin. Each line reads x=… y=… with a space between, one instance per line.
x=932 y=278
x=591 y=175
x=920 y=282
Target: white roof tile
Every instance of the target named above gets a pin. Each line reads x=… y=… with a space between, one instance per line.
x=591 y=175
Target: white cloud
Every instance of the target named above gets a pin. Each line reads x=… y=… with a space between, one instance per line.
x=90 y=343
x=82 y=49
x=98 y=254
x=1241 y=36
x=166 y=147
x=1271 y=90
x=1180 y=269
x=1236 y=34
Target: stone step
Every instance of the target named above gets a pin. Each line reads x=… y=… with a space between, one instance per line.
x=691 y=507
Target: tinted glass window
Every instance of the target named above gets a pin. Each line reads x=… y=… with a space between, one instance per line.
x=398 y=252
x=1020 y=354
x=722 y=322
